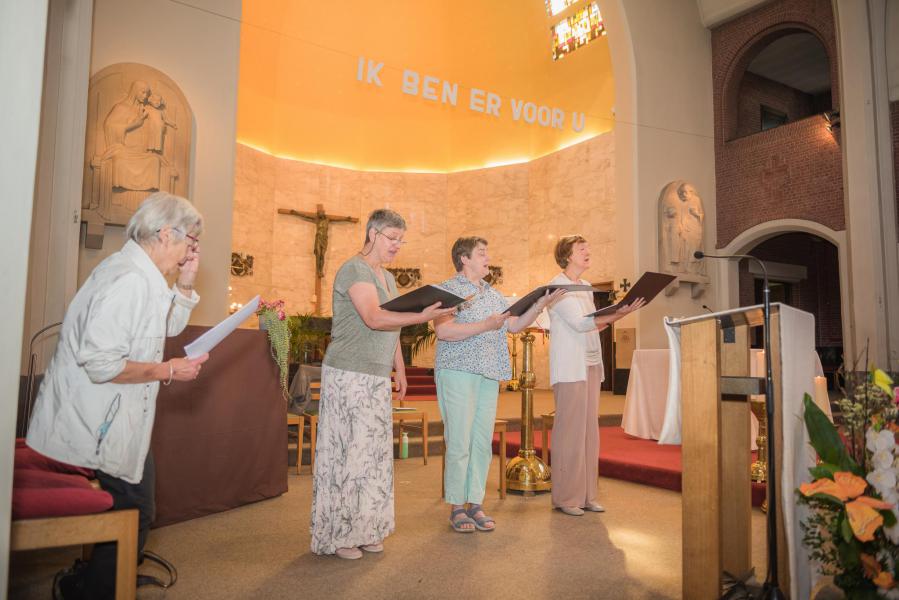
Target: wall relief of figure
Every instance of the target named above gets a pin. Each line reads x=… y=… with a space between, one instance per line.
x=138 y=142
x=681 y=225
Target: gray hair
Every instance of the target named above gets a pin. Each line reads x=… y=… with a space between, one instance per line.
x=161 y=209
x=382 y=218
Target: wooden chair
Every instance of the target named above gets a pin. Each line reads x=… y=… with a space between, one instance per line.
x=118 y=526
x=315 y=393
x=299 y=421
x=500 y=427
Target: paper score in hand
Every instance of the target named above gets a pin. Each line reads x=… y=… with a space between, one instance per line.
x=211 y=338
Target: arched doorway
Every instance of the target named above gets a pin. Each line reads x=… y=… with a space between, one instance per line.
x=804 y=272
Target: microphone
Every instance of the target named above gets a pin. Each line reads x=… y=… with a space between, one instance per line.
x=699 y=255
x=707 y=308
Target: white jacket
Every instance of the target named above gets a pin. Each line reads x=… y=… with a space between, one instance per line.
x=568 y=331
x=124 y=311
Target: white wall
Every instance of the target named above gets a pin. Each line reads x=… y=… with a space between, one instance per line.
x=197 y=44
x=56 y=221
x=662 y=62
x=23 y=27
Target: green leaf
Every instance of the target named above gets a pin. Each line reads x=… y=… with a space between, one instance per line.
x=846 y=529
x=825 y=439
x=849 y=553
x=824 y=470
x=832 y=500
x=889 y=518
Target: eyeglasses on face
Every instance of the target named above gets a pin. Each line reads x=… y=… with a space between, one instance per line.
x=394 y=240
x=194 y=241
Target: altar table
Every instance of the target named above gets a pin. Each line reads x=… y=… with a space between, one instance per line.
x=220 y=441
x=647 y=392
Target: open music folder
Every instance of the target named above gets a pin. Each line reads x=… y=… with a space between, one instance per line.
x=419 y=299
x=647 y=287
x=528 y=300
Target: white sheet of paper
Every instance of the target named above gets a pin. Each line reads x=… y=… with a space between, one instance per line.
x=211 y=338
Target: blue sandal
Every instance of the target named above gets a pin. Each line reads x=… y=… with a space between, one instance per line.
x=457 y=524
x=481 y=523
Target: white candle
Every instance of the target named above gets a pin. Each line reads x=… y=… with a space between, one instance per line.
x=822 y=399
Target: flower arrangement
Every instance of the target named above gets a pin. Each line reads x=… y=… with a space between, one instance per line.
x=272 y=319
x=851 y=531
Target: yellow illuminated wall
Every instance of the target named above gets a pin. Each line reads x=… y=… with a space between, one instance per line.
x=299 y=95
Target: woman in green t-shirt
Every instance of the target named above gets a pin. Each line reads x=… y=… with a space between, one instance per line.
x=352 y=488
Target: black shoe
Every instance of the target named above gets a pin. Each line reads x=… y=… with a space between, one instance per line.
x=68 y=584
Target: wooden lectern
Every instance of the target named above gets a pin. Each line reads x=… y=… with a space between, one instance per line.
x=715 y=426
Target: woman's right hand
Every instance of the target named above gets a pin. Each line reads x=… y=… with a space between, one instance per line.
x=187 y=369
x=435 y=312
x=495 y=321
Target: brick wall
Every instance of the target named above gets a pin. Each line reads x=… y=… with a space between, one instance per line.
x=793 y=171
x=818 y=294
x=756 y=91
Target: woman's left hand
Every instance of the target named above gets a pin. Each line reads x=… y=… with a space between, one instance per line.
x=401 y=385
x=629 y=308
x=548 y=299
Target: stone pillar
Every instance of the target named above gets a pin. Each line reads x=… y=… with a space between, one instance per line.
x=869 y=191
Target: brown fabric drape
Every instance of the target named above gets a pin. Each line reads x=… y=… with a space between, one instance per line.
x=220 y=441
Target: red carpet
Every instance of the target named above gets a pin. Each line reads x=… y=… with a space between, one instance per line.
x=628 y=458
x=421 y=384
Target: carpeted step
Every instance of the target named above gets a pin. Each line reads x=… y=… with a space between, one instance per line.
x=628 y=458
x=421 y=390
x=419 y=371
x=419 y=380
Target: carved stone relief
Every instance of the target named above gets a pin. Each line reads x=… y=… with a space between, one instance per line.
x=681 y=229
x=241 y=264
x=138 y=142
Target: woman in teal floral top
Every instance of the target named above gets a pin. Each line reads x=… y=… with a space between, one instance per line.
x=472 y=358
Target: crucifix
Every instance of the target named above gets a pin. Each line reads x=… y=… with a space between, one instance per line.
x=322 y=223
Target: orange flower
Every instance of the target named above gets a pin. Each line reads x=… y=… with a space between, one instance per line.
x=863 y=519
x=824 y=486
x=843 y=486
x=871 y=566
x=874 y=502
x=884 y=580
x=853 y=484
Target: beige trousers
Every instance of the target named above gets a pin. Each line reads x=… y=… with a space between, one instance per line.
x=575 y=440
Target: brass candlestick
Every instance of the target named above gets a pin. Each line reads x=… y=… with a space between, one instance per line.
x=759 y=468
x=526 y=472
x=512 y=386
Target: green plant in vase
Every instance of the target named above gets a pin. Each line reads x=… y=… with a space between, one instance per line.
x=272 y=318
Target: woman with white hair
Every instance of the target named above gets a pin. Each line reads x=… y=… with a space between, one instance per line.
x=97 y=402
x=352 y=487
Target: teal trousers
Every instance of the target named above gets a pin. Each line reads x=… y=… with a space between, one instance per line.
x=468 y=407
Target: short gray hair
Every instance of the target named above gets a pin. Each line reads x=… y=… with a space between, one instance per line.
x=381 y=219
x=161 y=209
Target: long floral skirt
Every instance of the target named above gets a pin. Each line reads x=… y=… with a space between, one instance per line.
x=352 y=486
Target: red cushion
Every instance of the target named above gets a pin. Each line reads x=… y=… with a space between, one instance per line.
x=42 y=494
x=29 y=458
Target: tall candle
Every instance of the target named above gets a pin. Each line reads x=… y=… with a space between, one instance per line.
x=822 y=399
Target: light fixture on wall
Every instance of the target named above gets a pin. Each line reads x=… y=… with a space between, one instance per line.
x=832 y=118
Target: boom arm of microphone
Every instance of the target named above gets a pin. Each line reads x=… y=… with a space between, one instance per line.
x=772 y=587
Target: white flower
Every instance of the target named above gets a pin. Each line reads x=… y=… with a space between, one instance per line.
x=890 y=495
x=882 y=479
x=882 y=459
x=892 y=594
x=893 y=532
x=880 y=440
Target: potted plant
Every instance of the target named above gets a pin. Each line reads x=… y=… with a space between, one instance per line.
x=308 y=337
x=414 y=339
x=272 y=319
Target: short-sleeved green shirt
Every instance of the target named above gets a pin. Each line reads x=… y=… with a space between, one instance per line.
x=354 y=346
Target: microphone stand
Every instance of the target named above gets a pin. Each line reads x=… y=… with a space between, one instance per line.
x=771 y=589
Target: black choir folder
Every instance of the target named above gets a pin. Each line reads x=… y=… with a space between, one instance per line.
x=521 y=307
x=419 y=299
x=647 y=287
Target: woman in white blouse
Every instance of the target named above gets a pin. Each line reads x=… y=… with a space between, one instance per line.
x=97 y=403
x=575 y=373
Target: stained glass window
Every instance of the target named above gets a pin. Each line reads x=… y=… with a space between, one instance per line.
x=575 y=31
x=554 y=7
